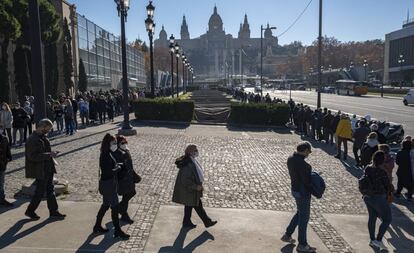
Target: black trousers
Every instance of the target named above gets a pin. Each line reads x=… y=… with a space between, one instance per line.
x=114 y=216
x=43 y=185
x=200 y=211
x=356 y=154
x=123 y=205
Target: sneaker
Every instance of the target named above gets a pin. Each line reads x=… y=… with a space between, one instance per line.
x=288 y=239
x=374 y=244
x=32 y=215
x=381 y=246
x=307 y=248
x=210 y=224
x=57 y=215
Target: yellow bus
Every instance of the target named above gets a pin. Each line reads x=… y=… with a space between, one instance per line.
x=350 y=88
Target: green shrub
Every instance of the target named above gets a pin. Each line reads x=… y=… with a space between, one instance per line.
x=164 y=109
x=259 y=114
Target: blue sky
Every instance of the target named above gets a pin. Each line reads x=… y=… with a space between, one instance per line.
x=346 y=20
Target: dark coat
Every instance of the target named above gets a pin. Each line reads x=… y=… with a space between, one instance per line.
x=360 y=136
x=38 y=158
x=19 y=118
x=185 y=189
x=300 y=174
x=404 y=174
x=125 y=175
x=5 y=154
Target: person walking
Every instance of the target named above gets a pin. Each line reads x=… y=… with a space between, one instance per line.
x=6 y=120
x=108 y=168
x=19 y=123
x=360 y=136
x=344 y=133
x=40 y=165
x=5 y=157
x=127 y=177
x=188 y=188
x=404 y=173
x=377 y=201
x=368 y=149
x=301 y=188
x=68 y=112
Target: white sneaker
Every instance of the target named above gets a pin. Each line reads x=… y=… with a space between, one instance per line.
x=381 y=246
x=374 y=243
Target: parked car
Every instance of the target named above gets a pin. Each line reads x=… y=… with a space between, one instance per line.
x=301 y=87
x=257 y=89
x=409 y=98
x=329 y=89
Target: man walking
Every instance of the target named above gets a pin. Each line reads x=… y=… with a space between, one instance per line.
x=301 y=187
x=40 y=166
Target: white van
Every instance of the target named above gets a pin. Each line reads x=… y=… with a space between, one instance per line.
x=409 y=98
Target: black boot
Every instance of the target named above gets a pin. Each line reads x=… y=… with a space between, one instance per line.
x=125 y=218
x=118 y=233
x=98 y=225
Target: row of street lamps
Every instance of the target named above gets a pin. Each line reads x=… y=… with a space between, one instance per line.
x=188 y=70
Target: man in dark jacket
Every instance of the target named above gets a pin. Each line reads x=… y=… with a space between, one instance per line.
x=301 y=187
x=327 y=127
x=40 y=165
x=5 y=157
x=360 y=136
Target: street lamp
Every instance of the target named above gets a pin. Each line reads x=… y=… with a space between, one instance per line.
x=172 y=51
x=150 y=25
x=261 y=55
x=184 y=62
x=319 y=55
x=401 y=61
x=37 y=61
x=123 y=7
x=365 y=68
x=177 y=56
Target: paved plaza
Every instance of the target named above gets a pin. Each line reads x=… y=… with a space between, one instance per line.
x=247 y=190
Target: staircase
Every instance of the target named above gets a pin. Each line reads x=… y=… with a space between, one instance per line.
x=211 y=106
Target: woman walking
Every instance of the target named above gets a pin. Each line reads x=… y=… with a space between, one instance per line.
x=377 y=201
x=404 y=173
x=6 y=120
x=188 y=189
x=127 y=178
x=109 y=168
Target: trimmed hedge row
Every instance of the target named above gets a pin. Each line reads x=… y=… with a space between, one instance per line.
x=259 y=114
x=168 y=109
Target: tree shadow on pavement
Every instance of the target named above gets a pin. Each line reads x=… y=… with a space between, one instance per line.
x=12 y=234
x=106 y=242
x=178 y=246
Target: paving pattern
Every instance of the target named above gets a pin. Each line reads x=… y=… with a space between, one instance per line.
x=244 y=168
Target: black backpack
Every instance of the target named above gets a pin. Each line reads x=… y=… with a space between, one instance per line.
x=365 y=185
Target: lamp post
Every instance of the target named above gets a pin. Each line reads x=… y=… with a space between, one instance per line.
x=172 y=51
x=150 y=25
x=320 y=55
x=183 y=61
x=401 y=61
x=177 y=55
x=365 y=68
x=37 y=61
x=261 y=55
x=122 y=7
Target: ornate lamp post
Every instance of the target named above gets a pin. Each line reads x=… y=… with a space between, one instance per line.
x=184 y=61
x=177 y=55
x=150 y=25
x=261 y=55
x=172 y=51
x=123 y=7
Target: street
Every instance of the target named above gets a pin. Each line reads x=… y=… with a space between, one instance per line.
x=388 y=109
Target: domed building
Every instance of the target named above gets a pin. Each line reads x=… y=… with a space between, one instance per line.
x=215 y=53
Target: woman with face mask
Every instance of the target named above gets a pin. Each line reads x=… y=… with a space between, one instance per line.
x=188 y=189
x=109 y=168
x=127 y=178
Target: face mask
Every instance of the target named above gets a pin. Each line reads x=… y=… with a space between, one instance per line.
x=113 y=147
x=196 y=154
x=124 y=147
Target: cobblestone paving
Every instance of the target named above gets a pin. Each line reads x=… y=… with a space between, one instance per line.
x=243 y=169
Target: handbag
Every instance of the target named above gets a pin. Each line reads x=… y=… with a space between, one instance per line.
x=137 y=178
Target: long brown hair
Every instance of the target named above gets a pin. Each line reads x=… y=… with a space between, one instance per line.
x=106 y=143
x=7 y=106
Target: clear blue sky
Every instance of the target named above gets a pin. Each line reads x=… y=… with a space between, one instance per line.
x=346 y=20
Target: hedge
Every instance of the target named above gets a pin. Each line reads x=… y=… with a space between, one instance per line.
x=167 y=109
x=259 y=114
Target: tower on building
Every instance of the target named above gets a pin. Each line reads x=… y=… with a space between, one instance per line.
x=244 y=32
x=185 y=35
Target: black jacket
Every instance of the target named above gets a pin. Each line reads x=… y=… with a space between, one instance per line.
x=107 y=166
x=379 y=179
x=5 y=154
x=300 y=174
x=19 y=118
x=360 y=136
x=404 y=174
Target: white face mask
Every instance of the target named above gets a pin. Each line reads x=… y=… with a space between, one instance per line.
x=113 y=147
x=196 y=154
x=124 y=147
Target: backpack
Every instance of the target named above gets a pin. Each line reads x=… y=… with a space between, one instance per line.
x=365 y=185
x=318 y=185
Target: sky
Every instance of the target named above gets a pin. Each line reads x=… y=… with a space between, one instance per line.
x=347 y=20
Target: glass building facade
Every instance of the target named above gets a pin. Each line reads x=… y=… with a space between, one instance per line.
x=100 y=52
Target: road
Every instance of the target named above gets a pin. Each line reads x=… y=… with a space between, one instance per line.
x=388 y=109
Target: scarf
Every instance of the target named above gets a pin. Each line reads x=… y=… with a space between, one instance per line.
x=199 y=169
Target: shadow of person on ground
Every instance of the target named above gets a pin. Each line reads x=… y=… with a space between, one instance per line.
x=12 y=234
x=178 y=246
x=106 y=242
x=401 y=232
x=16 y=204
x=288 y=248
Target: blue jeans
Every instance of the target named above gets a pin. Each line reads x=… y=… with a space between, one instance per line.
x=70 y=126
x=2 y=174
x=378 y=207
x=301 y=218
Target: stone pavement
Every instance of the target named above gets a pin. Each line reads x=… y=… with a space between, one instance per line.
x=244 y=169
